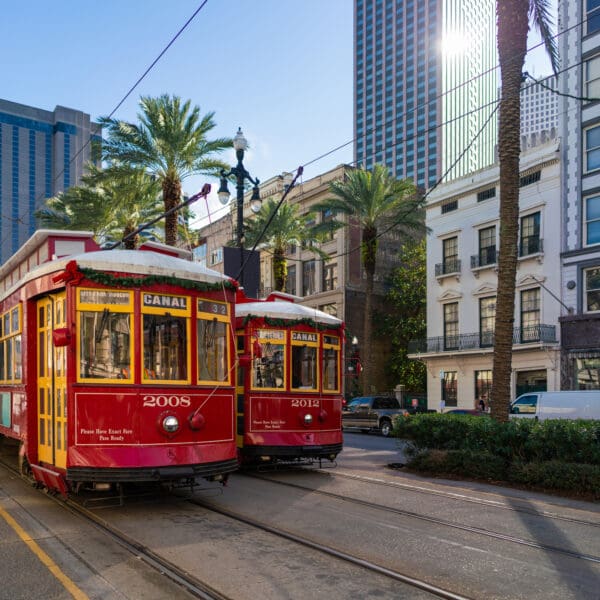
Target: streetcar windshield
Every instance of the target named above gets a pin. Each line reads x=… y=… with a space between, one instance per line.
x=165 y=347
x=104 y=345
x=212 y=350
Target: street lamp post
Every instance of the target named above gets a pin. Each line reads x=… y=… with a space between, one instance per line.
x=239 y=171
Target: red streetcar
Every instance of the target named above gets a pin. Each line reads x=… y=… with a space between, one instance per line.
x=115 y=365
x=289 y=381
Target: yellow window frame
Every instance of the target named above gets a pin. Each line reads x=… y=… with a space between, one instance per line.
x=125 y=307
x=332 y=345
x=301 y=338
x=214 y=310
x=175 y=312
x=268 y=336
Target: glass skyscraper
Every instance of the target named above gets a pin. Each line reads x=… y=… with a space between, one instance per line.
x=425 y=87
x=41 y=154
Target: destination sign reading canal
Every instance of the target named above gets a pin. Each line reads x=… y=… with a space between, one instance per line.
x=301 y=336
x=159 y=300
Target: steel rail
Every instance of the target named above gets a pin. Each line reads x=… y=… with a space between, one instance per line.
x=438 y=521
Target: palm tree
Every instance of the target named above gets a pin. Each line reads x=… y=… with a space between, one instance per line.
x=112 y=203
x=277 y=227
x=513 y=26
x=376 y=202
x=170 y=142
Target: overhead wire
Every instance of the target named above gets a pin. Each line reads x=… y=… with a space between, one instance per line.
x=336 y=149
x=21 y=218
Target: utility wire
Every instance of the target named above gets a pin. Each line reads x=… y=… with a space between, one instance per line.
x=21 y=218
x=366 y=134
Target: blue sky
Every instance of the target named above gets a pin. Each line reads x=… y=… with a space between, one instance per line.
x=280 y=69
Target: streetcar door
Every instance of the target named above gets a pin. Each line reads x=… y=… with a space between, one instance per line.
x=52 y=382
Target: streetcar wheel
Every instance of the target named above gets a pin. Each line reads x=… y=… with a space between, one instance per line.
x=386 y=428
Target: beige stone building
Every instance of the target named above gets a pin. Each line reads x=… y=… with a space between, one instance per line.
x=334 y=286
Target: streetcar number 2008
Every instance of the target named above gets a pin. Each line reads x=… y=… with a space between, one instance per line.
x=305 y=403
x=170 y=401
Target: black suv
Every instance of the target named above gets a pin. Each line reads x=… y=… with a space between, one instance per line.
x=372 y=413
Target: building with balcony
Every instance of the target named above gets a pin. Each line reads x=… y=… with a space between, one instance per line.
x=579 y=38
x=462 y=256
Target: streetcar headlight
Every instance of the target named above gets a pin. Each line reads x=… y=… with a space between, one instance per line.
x=170 y=424
x=308 y=420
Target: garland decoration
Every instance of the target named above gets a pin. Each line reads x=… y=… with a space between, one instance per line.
x=275 y=322
x=75 y=274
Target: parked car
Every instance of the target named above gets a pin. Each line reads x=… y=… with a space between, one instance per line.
x=566 y=404
x=370 y=413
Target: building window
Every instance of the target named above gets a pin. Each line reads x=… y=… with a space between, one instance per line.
x=530 y=315
x=529 y=179
x=591 y=292
x=592 y=148
x=328 y=216
x=450 y=255
x=592 y=220
x=486 y=194
x=216 y=256
x=451 y=326
x=592 y=77
x=308 y=278
x=593 y=15
x=449 y=206
x=483 y=387
x=449 y=389
x=330 y=277
x=487 y=246
x=587 y=373
x=530 y=235
x=487 y=321
x=290 y=282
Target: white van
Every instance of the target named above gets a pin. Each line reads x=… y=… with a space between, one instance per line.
x=574 y=404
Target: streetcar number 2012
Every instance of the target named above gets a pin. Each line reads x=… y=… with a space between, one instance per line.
x=170 y=401
x=304 y=403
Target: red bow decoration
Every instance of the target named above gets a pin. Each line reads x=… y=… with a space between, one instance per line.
x=71 y=273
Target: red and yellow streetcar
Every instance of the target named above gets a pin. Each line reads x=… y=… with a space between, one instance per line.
x=289 y=394
x=116 y=366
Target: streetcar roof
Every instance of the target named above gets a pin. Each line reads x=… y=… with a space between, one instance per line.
x=280 y=309
x=140 y=262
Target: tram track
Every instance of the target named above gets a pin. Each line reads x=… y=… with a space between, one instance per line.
x=422 y=585
x=501 y=505
x=442 y=522
x=165 y=568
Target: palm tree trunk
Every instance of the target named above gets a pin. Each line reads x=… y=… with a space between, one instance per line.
x=369 y=252
x=513 y=26
x=279 y=269
x=171 y=189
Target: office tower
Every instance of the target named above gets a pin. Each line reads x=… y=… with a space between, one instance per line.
x=425 y=87
x=41 y=153
x=539 y=106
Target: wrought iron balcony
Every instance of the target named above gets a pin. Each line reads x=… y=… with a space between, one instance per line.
x=473 y=341
x=448 y=267
x=486 y=257
x=530 y=245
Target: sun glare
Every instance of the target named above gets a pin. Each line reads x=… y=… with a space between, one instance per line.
x=454 y=42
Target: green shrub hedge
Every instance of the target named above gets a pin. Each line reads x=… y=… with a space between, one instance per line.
x=553 y=454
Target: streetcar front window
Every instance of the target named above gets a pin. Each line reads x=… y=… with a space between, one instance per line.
x=304 y=367
x=165 y=348
x=212 y=350
x=330 y=369
x=268 y=370
x=105 y=342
